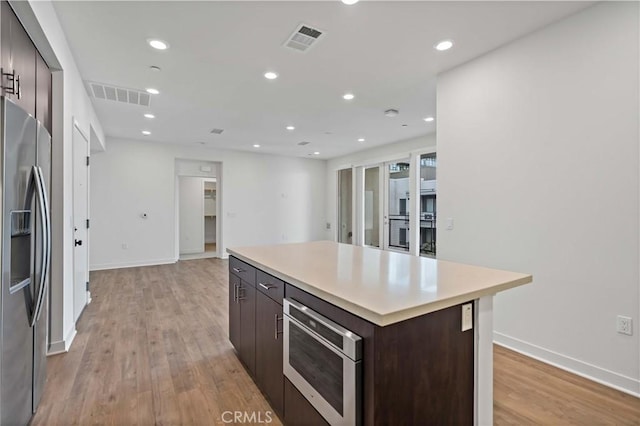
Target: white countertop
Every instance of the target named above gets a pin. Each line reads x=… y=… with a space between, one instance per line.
x=380 y=286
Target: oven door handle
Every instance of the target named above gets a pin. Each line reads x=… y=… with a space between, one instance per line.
x=351 y=342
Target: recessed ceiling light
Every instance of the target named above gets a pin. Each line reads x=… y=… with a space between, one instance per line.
x=348 y=96
x=444 y=45
x=152 y=91
x=158 y=44
x=155 y=68
x=255 y=145
x=350 y=2
x=428 y=119
x=270 y=75
x=146 y=132
x=361 y=140
x=316 y=153
x=149 y=116
x=291 y=128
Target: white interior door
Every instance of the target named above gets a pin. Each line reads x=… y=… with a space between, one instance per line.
x=80 y=217
x=191 y=212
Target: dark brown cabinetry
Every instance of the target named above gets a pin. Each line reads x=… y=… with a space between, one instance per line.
x=269 y=375
x=242 y=313
x=416 y=371
x=18 y=59
x=299 y=411
x=26 y=78
x=43 y=93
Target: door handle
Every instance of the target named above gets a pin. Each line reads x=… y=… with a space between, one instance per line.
x=77 y=243
x=36 y=181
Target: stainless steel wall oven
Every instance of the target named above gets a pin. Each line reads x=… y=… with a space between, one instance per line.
x=323 y=360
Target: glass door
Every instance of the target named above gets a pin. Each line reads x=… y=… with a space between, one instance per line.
x=345 y=206
x=372 y=207
x=428 y=204
x=397 y=206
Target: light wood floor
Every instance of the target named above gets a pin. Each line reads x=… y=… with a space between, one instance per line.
x=152 y=348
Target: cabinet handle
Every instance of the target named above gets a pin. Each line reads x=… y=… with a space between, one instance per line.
x=235 y=293
x=275 y=326
x=13 y=79
x=240 y=298
x=19 y=90
x=267 y=286
x=238 y=270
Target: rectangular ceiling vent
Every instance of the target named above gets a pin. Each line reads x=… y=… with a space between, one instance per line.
x=303 y=38
x=217 y=131
x=119 y=94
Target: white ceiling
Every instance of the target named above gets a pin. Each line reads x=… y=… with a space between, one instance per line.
x=212 y=75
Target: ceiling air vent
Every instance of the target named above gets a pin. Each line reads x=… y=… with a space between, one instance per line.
x=217 y=131
x=303 y=38
x=119 y=94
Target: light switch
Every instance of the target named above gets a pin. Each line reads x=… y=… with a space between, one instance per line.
x=449 y=223
x=467 y=317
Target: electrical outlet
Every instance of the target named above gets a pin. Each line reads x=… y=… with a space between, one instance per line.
x=467 y=317
x=624 y=325
x=125 y=246
x=328 y=225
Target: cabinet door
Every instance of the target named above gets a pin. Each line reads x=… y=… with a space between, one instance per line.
x=299 y=411
x=247 y=349
x=43 y=93
x=269 y=376
x=19 y=53
x=234 y=311
x=6 y=15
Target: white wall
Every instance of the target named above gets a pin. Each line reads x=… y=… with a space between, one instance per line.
x=265 y=199
x=389 y=152
x=70 y=102
x=191 y=214
x=538 y=162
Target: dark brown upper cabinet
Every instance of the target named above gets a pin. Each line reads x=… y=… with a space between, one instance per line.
x=18 y=60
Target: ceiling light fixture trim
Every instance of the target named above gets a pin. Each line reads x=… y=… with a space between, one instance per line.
x=443 y=45
x=158 y=44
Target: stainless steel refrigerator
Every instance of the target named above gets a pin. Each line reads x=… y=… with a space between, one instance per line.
x=25 y=160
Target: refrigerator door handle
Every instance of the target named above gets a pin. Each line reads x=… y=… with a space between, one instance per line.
x=43 y=210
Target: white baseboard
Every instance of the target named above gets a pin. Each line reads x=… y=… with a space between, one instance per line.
x=62 y=346
x=588 y=371
x=118 y=265
x=224 y=255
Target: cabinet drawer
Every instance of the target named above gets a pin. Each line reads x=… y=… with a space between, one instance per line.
x=271 y=286
x=243 y=270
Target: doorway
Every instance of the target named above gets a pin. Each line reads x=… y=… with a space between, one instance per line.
x=210 y=216
x=387 y=206
x=345 y=206
x=80 y=221
x=197 y=210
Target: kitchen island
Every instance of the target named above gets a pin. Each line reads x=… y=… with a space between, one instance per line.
x=425 y=327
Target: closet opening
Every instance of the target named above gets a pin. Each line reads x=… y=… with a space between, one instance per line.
x=198 y=206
